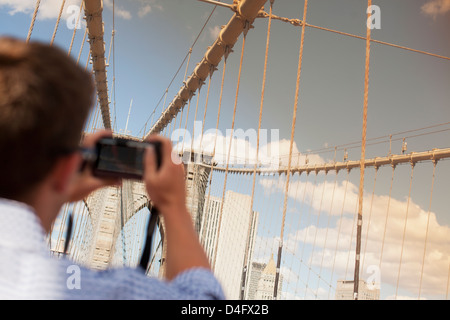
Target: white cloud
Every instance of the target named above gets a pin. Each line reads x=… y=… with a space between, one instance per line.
x=147 y=6
x=18 y=6
x=214 y=32
x=48 y=9
x=337 y=252
x=144 y=10
x=435 y=8
x=243 y=146
x=119 y=11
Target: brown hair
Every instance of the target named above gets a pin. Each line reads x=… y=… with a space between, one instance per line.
x=45 y=99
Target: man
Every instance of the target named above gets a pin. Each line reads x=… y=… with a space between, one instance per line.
x=44 y=102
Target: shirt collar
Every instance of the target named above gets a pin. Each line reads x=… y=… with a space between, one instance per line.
x=20 y=228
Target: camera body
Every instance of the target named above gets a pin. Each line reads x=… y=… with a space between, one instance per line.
x=122 y=158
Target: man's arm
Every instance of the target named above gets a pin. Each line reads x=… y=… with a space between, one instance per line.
x=166 y=187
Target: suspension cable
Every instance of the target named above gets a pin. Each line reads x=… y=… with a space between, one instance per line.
x=363 y=158
x=404 y=227
x=428 y=224
x=257 y=148
x=288 y=174
x=75 y=28
x=299 y=23
x=188 y=55
x=231 y=140
x=57 y=21
x=33 y=20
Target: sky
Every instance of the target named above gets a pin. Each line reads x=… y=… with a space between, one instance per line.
x=407 y=91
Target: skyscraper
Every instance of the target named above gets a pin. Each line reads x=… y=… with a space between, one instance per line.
x=266 y=283
x=254 y=275
x=210 y=225
x=231 y=246
x=197 y=168
x=261 y=282
x=344 y=291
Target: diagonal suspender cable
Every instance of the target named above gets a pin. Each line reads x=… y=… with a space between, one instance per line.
x=245 y=266
x=404 y=227
x=246 y=11
x=387 y=215
x=215 y=139
x=288 y=173
x=188 y=57
x=428 y=224
x=339 y=230
x=370 y=215
x=231 y=142
x=75 y=29
x=299 y=23
x=363 y=157
x=82 y=46
x=57 y=21
x=33 y=19
x=326 y=232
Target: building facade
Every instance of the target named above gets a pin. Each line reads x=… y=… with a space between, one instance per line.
x=344 y=291
x=230 y=230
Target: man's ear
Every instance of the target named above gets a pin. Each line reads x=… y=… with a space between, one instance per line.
x=64 y=172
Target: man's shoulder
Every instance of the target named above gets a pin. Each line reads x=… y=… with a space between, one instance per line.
x=125 y=283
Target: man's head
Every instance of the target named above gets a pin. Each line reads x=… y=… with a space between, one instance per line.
x=45 y=99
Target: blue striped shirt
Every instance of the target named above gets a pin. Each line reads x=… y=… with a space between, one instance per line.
x=28 y=271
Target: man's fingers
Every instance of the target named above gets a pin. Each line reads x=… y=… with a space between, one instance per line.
x=150 y=163
x=166 y=148
x=91 y=139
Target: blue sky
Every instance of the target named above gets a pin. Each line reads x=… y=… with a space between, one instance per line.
x=407 y=90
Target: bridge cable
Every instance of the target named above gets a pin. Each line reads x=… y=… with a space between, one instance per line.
x=315 y=234
x=363 y=157
x=198 y=223
x=306 y=229
x=404 y=228
x=231 y=135
x=245 y=266
x=185 y=126
x=349 y=251
x=294 y=118
x=82 y=46
x=224 y=68
x=370 y=216
x=299 y=220
x=339 y=231
x=387 y=216
x=75 y=28
x=195 y=169
x=426 y=230
x=298 y=182
x=184 y=80
x=299 y=23
x=188 y=55
x=57 y=22
x=33 y=20
x=326 y=232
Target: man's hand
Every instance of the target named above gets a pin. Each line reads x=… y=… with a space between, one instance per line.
x=166 y=185
x=85 y=183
